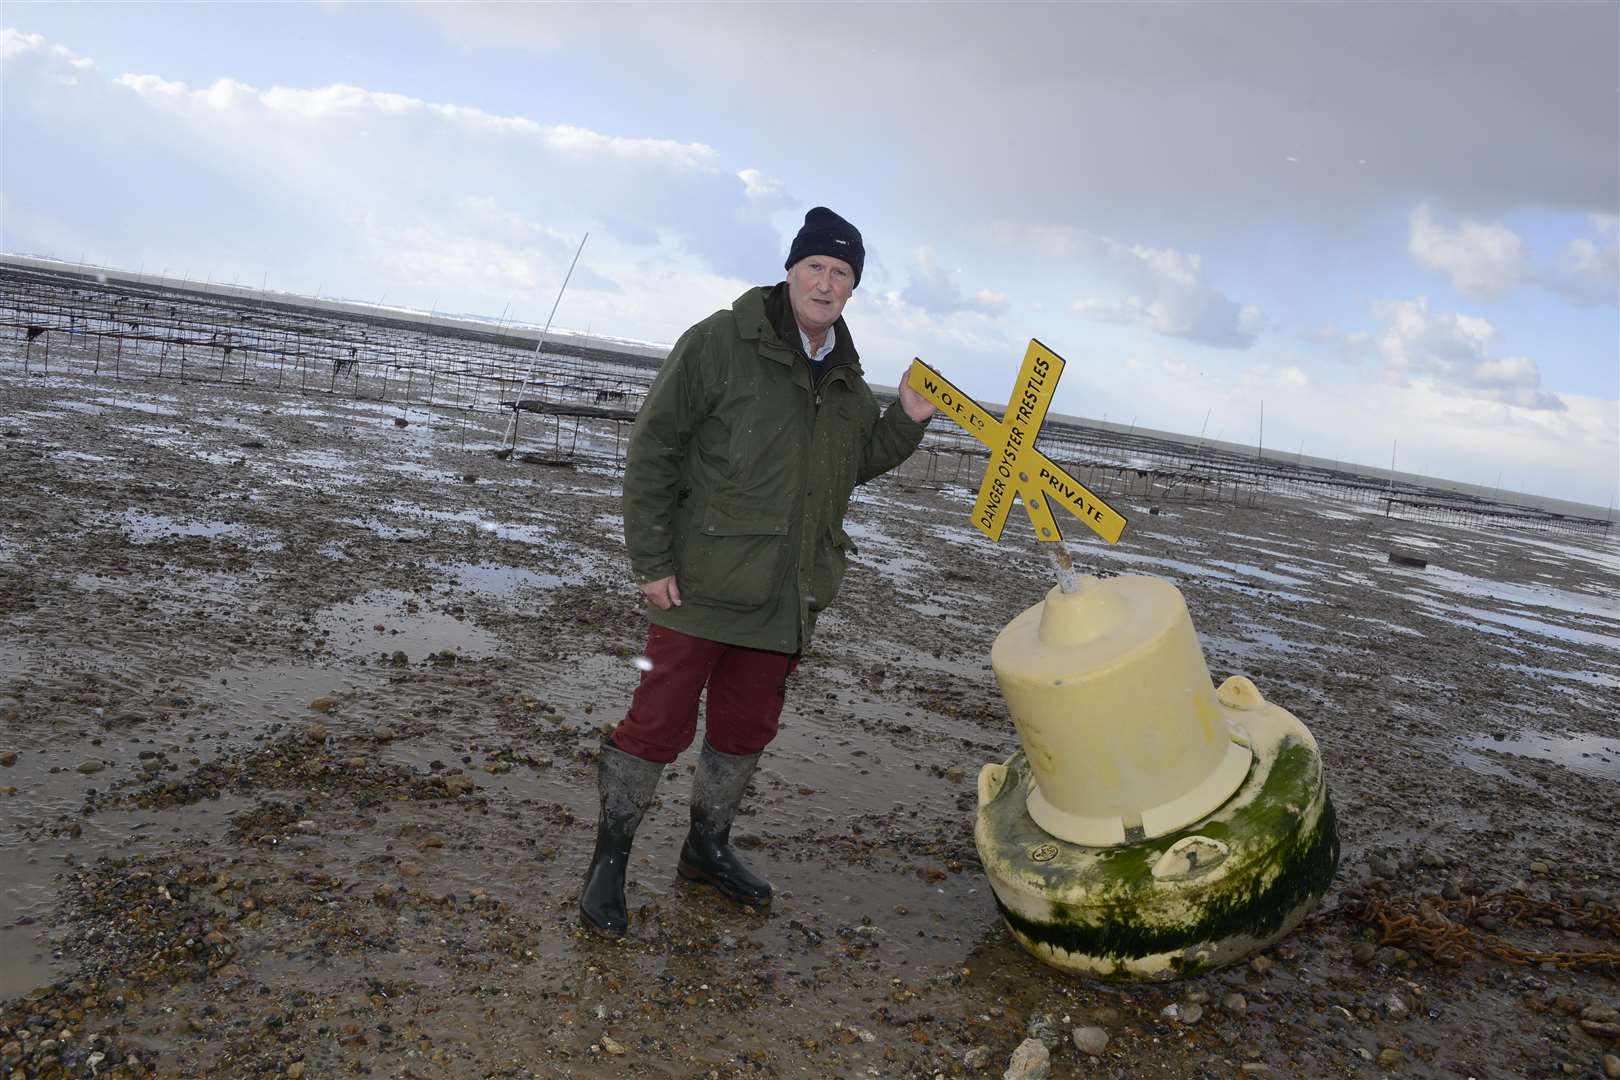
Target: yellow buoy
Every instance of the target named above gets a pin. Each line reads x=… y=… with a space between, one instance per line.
x=1116 y=711
x=1152 y=826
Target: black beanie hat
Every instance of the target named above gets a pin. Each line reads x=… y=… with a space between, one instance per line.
x=825 y=233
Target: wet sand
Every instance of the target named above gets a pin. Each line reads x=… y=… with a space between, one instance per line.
x=298 y=715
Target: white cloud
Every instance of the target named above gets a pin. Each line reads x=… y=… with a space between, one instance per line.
x=242 y=103
x=938 y=290
x=1489 y=261
x=1587 y=272
x=1170 y=295
x=15 y=43
x=758 y=187
x=1484 y=261
x=1020 y=104
x=342 y=146
x=1450 y=351
x=889 y=330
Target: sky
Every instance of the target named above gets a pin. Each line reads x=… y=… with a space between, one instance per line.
x=1390 y=227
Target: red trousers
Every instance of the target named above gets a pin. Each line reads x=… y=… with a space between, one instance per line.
x=746 y=690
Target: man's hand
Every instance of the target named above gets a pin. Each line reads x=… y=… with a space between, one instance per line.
x=917 y=407
x=663 y=593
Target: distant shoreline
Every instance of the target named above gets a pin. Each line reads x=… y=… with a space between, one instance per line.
x=651 y=353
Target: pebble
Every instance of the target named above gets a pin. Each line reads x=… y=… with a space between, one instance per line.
x=1041 y=1027
x=1090 y=1040
x=91 y=766
x=1255 y=1068
x=1603 y=1014
x=295 y=1070
x=1261 y=965
x=1539 y=867
x=1362 y=952
x=611 y=1047
x=457 y=784
x=976 y=1058
x=1191 y=1014
x=1235 y=1002
x=1389 y=1057
x=1395 y=1007
x=8 y=758
x=1031 y=1061
x=1106 y=1017
x=1611 y=1066
x=1384 y=868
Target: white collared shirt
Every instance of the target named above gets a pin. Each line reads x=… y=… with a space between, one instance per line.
x=820 y=354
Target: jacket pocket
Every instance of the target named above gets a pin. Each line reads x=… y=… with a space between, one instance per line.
x=734 y=560
x=832 y=558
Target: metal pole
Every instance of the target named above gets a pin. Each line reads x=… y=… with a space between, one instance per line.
x=511 y=430
x=1063 y=562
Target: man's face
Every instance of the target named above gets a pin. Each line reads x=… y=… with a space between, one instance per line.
x=818 y=288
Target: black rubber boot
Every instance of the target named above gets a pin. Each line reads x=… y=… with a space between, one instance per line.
x=626 y=783
x=707 y=855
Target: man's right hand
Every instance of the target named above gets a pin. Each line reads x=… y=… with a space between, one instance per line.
x=663 y=593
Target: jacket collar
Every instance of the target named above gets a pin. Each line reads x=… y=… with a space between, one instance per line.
x=762 y=314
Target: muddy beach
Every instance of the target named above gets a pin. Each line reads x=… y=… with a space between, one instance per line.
x=299 y=701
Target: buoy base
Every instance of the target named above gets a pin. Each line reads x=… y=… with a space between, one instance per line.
x=1213 y=893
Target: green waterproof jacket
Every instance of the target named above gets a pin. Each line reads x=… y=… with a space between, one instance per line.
x=740 y=469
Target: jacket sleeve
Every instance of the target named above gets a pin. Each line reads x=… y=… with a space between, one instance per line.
x=894 y=438
x=675 y=406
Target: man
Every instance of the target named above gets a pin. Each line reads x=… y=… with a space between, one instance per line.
x=739 y=471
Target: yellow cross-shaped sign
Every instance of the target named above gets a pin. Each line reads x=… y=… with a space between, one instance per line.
x=1016 y=467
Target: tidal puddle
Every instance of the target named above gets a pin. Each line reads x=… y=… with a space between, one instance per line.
x=1256 y=641
x=77 y=455
x=144 y=528
x=1387 y=625
x=412 y=468
x=1606 y=608
x=1444 y=612
x=151 y=407
x=1190 y=570
x=392 y=620
x=30 y=891
x=383 y=530
x=324 y=460
x=232 y=423
x=259 y=695
x=882 y=553
x=75 y=406
x=1591 y=755
x=494 y=579
x=1606 y=557
x=1590 y=678
x=1245 y=570
x=474 y=522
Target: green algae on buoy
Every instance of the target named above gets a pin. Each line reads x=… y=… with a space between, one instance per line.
x=1151 y=827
